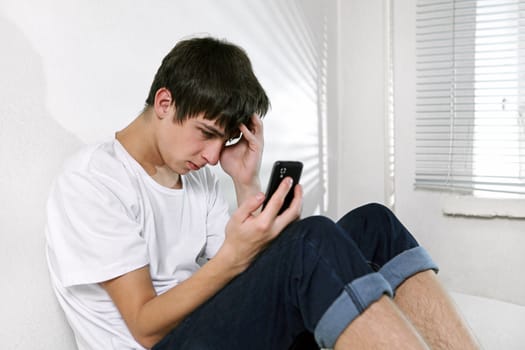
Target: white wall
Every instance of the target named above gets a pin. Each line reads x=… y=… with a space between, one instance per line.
x=32 y=146
x=74 y=72
x=477 y=256
x=362 y=104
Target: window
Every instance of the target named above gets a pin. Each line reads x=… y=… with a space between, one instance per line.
x=470 y=127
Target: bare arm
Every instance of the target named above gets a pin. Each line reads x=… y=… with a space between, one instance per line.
x=150 y=317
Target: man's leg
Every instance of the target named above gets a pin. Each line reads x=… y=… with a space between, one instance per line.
x=427 y=305
x=390 y=249
x=381 y=326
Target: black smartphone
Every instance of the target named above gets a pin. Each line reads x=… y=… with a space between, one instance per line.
x=280 y=170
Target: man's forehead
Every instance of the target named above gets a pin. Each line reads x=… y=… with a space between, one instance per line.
x=212 y=125
x=218 y=125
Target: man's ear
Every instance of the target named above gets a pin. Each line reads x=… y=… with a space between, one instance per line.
x=163 y=103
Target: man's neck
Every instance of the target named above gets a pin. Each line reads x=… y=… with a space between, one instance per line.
x=137 y=138
x=167 y=177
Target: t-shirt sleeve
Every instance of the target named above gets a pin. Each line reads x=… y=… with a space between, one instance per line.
x=217 y=217
x=92 y=230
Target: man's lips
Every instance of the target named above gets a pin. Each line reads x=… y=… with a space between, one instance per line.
x=193 y=166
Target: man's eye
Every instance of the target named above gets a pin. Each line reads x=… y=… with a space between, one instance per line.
x=207 y=134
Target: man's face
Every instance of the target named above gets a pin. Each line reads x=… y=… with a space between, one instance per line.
x=190 y=145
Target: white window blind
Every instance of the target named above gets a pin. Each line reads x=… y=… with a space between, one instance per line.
x=470 y=103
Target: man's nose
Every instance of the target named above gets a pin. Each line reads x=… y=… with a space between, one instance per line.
x=212 y=152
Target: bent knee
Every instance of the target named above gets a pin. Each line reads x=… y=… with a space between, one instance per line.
x=316 y=222
x=322 y=231
x=373 y=218
x=373 y=211
x=317 y=225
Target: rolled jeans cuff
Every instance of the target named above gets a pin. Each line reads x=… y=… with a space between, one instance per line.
x=407 y=264
x=353 y=300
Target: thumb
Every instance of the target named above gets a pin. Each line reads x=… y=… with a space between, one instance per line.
x=248 y=206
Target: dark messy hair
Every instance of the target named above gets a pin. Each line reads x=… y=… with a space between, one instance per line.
x=214 y=77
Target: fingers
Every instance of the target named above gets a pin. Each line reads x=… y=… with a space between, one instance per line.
x=294 y=210
x=291 y=214
x=276 y=201
x=254 y=134
x=256 y=124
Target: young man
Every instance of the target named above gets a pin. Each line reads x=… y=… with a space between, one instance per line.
x=131 y=220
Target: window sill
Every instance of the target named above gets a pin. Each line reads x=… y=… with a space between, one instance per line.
x=483 y=207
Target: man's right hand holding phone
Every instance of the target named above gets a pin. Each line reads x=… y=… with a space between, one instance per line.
x=247 y=234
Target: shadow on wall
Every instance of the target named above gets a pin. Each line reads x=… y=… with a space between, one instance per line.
x=32 y=149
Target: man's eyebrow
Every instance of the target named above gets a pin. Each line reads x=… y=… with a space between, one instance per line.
x=212 y=130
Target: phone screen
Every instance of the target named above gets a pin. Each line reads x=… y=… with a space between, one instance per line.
x=280 y=170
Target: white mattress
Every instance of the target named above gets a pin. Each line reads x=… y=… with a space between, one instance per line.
x=498 y=325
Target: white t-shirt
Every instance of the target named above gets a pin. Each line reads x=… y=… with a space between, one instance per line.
x=107 y=217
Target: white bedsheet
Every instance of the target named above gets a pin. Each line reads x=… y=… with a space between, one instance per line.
x=498 y=325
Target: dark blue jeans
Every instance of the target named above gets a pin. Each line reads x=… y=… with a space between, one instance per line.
x=316 y=277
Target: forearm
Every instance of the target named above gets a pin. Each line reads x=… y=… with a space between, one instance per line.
x=159 y=315
x=244 y=191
